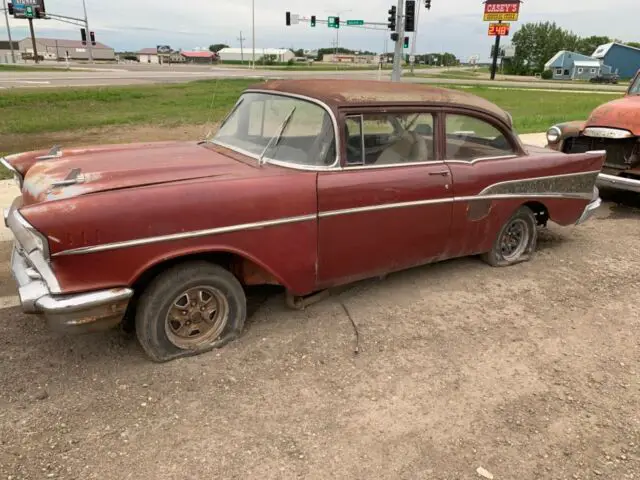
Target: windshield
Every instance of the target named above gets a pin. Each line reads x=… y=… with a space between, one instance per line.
x=635 y=88
x=280 y=129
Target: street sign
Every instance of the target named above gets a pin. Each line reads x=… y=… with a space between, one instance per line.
x=28 y=8
x=163 y=49
x=501 y=29
x=333 y=22
x=412 y=59
x=355 y=22
x=501 y=10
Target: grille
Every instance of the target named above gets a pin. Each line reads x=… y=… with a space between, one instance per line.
x=621 y=154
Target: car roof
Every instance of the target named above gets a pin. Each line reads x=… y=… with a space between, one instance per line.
x=338 y=93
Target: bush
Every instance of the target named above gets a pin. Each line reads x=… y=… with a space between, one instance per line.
x=291 y=62
x=547 y=75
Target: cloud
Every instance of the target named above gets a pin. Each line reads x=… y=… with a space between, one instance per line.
x=454 y=26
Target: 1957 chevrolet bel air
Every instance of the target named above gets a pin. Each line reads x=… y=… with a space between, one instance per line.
x=308 y=184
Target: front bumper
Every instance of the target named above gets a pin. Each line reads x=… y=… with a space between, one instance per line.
x=618 y=183
x=40 y=292
x=75 y=313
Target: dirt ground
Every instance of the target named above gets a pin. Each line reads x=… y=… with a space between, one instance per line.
x=528 y=372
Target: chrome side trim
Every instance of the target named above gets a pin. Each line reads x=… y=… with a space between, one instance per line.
x=483 y=159
x=531 y=179
x=385 y=206
x=334 y=166
x=394 y=165
x=185 y=235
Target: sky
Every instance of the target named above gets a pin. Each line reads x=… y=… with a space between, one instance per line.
x=451 y=25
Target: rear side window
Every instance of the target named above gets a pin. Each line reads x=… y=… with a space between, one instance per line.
x=470 y=138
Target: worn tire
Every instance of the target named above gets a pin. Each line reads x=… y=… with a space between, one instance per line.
x=157 y=299
x=525 y=218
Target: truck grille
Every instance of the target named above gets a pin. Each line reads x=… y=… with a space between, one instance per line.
x=621 y=154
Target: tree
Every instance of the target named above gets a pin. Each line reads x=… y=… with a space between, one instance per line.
x=588 y=45
x=536 y=43
x=216 y=47
x=633 y=44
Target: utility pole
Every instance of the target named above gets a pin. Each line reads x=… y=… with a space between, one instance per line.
x=241 y=38
x=397 y=56
x=86 y=24
x=253 y=33
x=33 y=41
x=6 y=18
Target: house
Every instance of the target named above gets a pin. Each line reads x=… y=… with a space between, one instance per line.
x=149 y=55
x=5 y=51
x=199 y=57
x=567 y=65
x=280 y=55
x=623 y=59
x=74 y=49
x=350 y=58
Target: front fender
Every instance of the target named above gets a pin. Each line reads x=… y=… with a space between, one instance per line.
x=567 y=129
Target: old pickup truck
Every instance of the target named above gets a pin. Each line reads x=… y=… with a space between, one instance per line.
x=307 y=184
x=613 y=127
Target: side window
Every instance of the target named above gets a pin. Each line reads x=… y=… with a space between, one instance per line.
x=389 y=139
x=469 y=138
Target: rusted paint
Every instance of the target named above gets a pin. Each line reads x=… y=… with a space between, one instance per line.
x=478 y=210
x=339 y=93
x=252 y=274
x=582 y=184
x=623 y=113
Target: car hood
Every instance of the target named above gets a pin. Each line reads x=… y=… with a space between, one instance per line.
x=83 y=171
x=623 y=113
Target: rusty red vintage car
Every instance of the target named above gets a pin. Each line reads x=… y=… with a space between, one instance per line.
x=613 y=127
x=307 y=184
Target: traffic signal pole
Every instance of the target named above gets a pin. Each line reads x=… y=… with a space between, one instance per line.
x=86 y=23
x=396 y=75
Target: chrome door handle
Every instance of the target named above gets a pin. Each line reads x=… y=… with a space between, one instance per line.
x=443 y=173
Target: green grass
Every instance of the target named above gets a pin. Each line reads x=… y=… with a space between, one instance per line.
x=29 y=68
x=29 y=114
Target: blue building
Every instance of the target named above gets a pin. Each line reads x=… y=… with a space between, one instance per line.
x=623 y=59
x=567 y=65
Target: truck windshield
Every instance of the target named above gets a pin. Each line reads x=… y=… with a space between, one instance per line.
x=306 y=139
x=635 y=88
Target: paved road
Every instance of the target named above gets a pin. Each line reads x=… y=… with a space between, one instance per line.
x=142 y=74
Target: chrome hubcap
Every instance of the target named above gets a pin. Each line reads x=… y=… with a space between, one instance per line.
x=196 y=317
x=514 y=240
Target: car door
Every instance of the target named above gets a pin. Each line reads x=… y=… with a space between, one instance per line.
x=390 y=205
x=480 y=155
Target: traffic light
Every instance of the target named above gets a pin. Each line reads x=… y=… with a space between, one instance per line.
x=10 y=8
x=288 y=19
x=392 y=18
x=40 y=13
x=337 y=22
x=93 y=38
x=313 y=20
x=406 y=42
x=395 y=36
x=427 y=4
x=410 y=16
x=83 y=36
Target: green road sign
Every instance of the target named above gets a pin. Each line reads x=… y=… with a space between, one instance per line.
x=333 y=22
x=355 y=22
x=28 y=11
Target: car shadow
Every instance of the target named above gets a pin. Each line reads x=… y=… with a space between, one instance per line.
x=624 y=204
x=548 y=239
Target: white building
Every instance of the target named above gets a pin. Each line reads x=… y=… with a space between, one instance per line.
x=282 y=55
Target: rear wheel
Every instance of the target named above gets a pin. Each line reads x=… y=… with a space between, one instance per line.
x=190 y=309
x=516 y=241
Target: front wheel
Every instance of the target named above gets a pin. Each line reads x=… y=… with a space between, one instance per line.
x=190 y=309
x=516 y=240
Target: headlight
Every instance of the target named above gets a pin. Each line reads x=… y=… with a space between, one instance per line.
x=553 y=135
x=26 y=235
